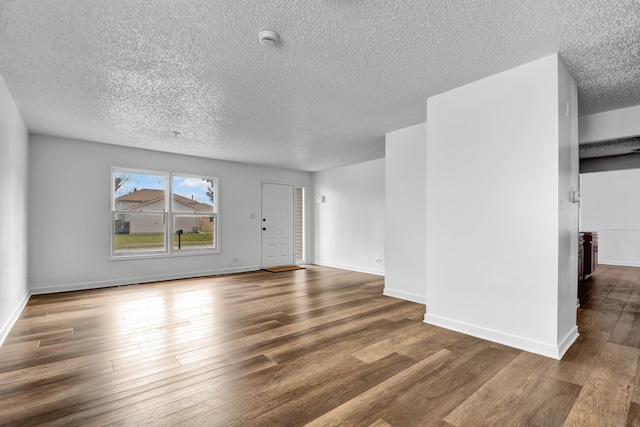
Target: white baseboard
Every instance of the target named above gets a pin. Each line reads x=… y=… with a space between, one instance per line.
x=619 y=263
x=554 y=352
x=8 y=324
x=408 y=296
x=379 y=272
x=142 y=279
x=567 y=341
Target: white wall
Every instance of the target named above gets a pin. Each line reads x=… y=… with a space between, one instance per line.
x=14 y=293
x=350 y=230
x=493 y=202
x=568 y=213
x=610 y=205
x=620 y=123
x=70 y=224
x=405 y=210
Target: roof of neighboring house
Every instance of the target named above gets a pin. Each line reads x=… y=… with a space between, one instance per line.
x=147 y=196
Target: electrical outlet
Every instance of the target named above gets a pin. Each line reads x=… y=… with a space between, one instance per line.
x=378 y=260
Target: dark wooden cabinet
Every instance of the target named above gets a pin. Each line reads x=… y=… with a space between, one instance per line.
x=580 y=256
x=590 y=254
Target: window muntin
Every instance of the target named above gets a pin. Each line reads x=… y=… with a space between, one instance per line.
x=144 y=223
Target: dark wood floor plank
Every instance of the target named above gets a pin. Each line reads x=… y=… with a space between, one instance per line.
x=29 y=392
x=76 y=388
x=202 y=333
x=626 y=330
x=202 y=390
x=320 y=346
x=442 y=338
x=353 y=331
x=606 y=397
x=109 y=404
x=349 y=337
x=518 y=387
x=295 y=379
x=18 y=371
x=579 y=361
x=204 y=352
x=313 y=402
x=393 y=344
x=33 y=338
x=440 y=391
x=366 y=408
x=633 y=418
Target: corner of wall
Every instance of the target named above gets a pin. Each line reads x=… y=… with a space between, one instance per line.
x=7 y=325
x=13 y=221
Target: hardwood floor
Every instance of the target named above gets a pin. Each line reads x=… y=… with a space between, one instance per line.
x=318 y=346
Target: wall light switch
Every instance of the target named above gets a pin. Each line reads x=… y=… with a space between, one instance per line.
x=320 y=199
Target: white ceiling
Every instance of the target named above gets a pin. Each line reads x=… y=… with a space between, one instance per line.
x=345 y=72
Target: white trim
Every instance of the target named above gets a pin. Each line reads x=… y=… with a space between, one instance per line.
x=304 y=225
x=537 y=347
x=620 y=263
x=182 y=253
x=144 y=279
x=168 y=215
x=567 y=341
x=11 y=321
x=408 y=296
x=351 y=268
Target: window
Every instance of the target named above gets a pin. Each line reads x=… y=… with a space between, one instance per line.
x=143 y=219
x=192 y=209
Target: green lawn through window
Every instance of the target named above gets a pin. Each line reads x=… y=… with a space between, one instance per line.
x=144 y=241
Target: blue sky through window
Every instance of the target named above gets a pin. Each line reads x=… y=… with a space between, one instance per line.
x=138 y=181
x=189 y=187
x=192 y=188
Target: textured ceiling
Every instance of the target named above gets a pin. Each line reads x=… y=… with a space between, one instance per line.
x=345 y=71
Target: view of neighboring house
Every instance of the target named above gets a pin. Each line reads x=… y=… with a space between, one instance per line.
x=146 y=204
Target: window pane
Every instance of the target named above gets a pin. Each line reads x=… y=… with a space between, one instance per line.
x=194 y=232
x=193 y=194
x=139 y=192
x=138 y=232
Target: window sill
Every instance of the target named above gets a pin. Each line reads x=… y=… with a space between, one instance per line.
x=164 y=255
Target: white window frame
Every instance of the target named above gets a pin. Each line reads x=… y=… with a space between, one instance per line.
x=168 y=217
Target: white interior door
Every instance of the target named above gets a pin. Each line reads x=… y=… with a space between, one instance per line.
x=277 y=225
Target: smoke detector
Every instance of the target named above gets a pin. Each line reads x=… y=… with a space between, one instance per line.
x=268 y=37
